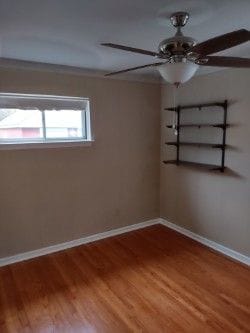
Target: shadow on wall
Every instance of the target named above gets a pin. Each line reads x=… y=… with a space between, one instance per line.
x=227 y=172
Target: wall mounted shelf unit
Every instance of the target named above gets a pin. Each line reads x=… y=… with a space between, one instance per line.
x=223 y=126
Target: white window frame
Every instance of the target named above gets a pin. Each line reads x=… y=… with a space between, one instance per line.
x=9 y=144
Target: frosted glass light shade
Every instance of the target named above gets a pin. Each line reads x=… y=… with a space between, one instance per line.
x=179 y=72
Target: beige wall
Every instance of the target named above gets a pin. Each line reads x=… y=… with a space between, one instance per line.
x=50 y=196
x=214 y=205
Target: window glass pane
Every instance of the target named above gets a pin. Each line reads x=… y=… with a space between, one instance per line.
x=40 y=118
x=65 y=124
x=20 y=124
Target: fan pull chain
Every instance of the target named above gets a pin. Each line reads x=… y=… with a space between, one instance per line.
x=175 y=95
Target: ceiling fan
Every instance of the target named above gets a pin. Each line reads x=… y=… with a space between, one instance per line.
x=180 y=56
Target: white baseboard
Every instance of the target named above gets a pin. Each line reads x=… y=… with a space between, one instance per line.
x=63 y=246
x=92 y=238
x=217 y=247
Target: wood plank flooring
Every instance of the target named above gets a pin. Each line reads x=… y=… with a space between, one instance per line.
x=150 y=280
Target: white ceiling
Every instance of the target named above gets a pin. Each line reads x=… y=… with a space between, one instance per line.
x=69 y=32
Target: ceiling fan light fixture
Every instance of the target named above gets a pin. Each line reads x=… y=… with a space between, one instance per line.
x=178 y=72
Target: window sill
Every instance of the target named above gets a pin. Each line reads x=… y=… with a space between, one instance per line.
x=44 y=145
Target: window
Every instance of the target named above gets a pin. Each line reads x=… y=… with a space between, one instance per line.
x=31 y=119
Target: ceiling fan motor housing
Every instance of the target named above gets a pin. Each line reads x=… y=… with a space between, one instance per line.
x=177 y=45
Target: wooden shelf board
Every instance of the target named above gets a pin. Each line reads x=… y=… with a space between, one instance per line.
x=220 y=125
x=196 y=144
x=195 y=164
x=196 y=106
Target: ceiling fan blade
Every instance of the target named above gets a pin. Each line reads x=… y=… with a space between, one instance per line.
x=222 y=42
x=134 y=68
x=224 y=62
x=131 y=49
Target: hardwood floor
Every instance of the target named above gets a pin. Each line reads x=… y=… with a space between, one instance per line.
x=150 y=280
